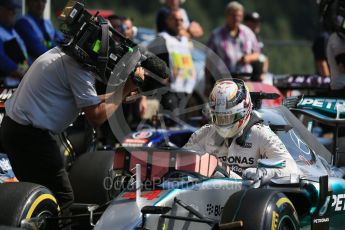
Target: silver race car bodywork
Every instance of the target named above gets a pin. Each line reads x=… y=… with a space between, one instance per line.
x=196 y=197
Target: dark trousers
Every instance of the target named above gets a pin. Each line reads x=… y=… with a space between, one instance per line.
x=35 y=157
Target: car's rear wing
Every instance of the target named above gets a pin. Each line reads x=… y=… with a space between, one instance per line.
x=329 y=111
x=301 y=82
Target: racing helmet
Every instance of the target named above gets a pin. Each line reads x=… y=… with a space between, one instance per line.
x=230 y=107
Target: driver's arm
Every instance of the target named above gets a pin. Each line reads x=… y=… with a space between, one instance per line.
x=272 y=147
x=197 y=142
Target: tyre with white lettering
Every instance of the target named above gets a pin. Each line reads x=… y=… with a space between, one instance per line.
x=19 y=201
x=261 y=209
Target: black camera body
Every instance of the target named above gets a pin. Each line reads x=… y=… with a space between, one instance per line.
x=88 y=40
x=74 y=16
x=80 y=30
x=99 y=48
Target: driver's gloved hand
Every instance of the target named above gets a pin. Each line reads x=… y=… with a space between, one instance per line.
x=254 y=173
x=338 y=172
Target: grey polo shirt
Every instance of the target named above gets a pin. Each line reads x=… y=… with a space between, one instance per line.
x=52 y=93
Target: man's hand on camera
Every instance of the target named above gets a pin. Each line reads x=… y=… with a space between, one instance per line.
x=138 y=77
x=143 y=106
x=131 y=84
x=139 y=72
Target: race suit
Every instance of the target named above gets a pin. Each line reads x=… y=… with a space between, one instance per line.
x=260 y=143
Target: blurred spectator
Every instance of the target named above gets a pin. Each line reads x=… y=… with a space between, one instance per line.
x=14 y=60
x=319 y=51
x=124 y=25
x=191 y=29
x=132 y=112
x=234 y=43
x=172 y=46
x=138 y=109
x=127 y=27
x=252 y=20
x=38 y=33
x=116 y=22
x=336 y=61
x=128 y=31
x=260 y=67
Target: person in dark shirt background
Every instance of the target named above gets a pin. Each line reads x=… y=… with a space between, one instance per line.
x=320 y=55
x=260 y=67
x=38 y=33
x=14 y=60
x=192 y=29
x=172 y=46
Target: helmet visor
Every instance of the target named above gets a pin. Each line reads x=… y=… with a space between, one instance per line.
x=225 y=119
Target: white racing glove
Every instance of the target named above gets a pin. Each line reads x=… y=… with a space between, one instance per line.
x=254 y=173
x=337 y=172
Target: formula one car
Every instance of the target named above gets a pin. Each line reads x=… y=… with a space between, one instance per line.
x=193 y=193
x=179 y=189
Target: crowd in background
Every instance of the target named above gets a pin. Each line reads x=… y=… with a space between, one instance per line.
x=26 y=38
x=234 y=47
x=23 y=40
x=56 y=89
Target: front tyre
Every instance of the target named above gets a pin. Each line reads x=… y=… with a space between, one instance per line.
x=261 y=209
x=24 y=201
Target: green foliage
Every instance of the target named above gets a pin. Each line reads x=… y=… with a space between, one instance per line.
x=292 y=20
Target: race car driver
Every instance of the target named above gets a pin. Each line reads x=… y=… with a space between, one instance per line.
x=52 y=93
x=238 y=137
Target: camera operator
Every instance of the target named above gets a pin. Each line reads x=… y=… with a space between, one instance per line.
x=54 y=90
x=333 y=18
